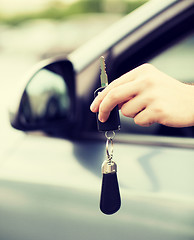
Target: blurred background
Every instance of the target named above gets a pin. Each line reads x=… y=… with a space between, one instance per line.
x=37 y=29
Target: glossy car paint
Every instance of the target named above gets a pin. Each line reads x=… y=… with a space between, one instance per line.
x=55 y=193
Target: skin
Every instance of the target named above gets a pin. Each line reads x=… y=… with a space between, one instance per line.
x=149 y=96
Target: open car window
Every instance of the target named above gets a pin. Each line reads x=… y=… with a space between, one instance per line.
x=177 y=61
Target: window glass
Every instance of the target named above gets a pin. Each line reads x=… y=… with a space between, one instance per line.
x=178 y=60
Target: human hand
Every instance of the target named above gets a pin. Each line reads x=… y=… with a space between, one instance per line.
x=149 y=96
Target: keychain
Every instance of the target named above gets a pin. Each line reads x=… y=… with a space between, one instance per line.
x=110 y=200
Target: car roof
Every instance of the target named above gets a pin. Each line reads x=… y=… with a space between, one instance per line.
x=93 y=49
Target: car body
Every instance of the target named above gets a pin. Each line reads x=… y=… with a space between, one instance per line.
x=50 y=184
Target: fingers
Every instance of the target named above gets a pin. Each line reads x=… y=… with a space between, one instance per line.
x=128 y=77
x=145 y=118
x=116 y=96
x=97 y=101
x=132 y=107
x=129 y=92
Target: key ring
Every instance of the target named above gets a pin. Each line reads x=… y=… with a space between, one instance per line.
x=111 y=136
x=108 y=142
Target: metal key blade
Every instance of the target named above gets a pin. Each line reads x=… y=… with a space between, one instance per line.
x=103 y=75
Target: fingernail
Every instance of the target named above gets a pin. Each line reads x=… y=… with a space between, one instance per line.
x=101 y=119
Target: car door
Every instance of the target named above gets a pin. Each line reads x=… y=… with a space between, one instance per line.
x=50 y=186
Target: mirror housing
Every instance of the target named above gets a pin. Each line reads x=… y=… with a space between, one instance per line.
x=46 y=99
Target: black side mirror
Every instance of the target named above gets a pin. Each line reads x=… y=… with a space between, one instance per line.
x=47 y=99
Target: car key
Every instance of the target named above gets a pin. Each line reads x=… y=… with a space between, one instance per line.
x=110 y=200
x=113 y=122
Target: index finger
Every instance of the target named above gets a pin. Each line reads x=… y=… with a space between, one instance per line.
x=119 y=95
x=119 y=81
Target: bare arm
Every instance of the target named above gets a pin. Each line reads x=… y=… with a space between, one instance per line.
x=148 y=95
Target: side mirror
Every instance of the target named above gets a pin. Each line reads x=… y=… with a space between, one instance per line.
x=46 y=100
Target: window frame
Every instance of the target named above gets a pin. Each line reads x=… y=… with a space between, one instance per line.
x=151 y=44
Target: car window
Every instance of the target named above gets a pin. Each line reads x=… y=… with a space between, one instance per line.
x=177 y=61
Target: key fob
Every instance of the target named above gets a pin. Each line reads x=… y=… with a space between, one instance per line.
x=110 y=200
x=113 y=122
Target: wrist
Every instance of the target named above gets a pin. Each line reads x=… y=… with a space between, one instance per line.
x=191 y=93
x=192 y=86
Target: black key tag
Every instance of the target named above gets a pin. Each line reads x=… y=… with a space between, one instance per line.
x=110 y=200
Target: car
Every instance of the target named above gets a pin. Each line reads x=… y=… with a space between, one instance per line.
x=51 y=181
